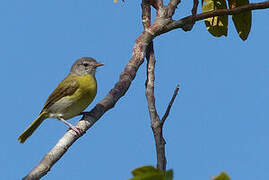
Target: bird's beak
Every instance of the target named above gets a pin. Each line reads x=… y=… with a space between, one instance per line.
x=98 y=64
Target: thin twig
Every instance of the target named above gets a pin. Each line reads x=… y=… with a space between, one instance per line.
x=172 y=7
x=195 y=6
x=170 y=104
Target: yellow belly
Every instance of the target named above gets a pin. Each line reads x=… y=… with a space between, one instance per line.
x=70 y=106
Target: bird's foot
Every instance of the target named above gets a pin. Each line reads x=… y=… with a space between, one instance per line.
x=78 y=131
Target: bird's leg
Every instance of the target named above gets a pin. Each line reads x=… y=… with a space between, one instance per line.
x=77 y=130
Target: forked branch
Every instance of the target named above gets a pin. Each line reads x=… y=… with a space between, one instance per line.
x=156 y=122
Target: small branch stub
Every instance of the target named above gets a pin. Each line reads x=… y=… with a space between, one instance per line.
x=170 y=104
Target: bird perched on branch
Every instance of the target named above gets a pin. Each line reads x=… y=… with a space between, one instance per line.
x=71 y=96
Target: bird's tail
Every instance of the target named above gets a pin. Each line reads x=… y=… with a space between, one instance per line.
x=35 y=124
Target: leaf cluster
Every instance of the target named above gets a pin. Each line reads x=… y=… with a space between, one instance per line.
x=152 y=173
x=218 y=25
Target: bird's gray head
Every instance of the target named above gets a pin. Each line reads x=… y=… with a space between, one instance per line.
x=85 y=65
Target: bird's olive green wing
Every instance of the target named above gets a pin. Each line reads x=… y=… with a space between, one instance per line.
x=66 y=88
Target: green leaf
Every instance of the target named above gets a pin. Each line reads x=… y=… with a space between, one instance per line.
x=222 y=176
x=217 y=25
x=144 y=169
x=169 y=175
x=151 y=173
x=147 y=173
x=149 y=176
x=243 y=20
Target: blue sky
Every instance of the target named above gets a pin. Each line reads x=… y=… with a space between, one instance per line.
x=219 y=121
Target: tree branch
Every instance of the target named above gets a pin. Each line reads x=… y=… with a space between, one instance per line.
x=172 y=7
x=173 y=4
x=156 y=125
x=155 y=119
x=146 y=13
x=156 y=122
x=195 y=6
x=170 y=105
x=155 y=3
x=190 y=19
x=163 y=25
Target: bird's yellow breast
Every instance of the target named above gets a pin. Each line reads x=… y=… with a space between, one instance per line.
x=74 y=104
x=87 y=89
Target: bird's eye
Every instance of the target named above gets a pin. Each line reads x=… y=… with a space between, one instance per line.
x=85 y=64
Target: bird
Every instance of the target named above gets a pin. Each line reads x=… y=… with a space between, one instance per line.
x=71 y=96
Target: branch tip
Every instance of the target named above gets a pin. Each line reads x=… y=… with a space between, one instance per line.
x=170 y=105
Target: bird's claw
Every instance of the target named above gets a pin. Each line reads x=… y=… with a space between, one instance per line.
x=78 y=131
